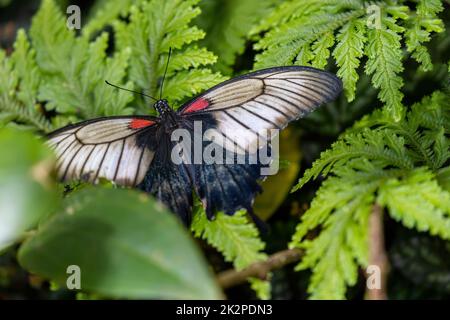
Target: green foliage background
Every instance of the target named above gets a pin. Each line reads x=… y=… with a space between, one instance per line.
x=385 y=142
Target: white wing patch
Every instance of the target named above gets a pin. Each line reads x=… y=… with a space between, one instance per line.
x=101 y=149
x=246 y=108
x=109 y=131
x=235 y=93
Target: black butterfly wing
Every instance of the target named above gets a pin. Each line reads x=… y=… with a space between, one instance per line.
x=168 y=181
x=238 y=111
x=131 y=151
x=114 y=148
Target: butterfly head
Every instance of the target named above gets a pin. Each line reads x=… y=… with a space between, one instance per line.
x=162 y=106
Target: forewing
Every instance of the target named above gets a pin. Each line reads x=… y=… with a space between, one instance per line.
x=246 y=107
x=113 y=148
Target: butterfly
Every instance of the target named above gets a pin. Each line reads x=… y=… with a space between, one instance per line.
x=137 y=151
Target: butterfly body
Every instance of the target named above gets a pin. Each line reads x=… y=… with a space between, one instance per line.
x=139 y=151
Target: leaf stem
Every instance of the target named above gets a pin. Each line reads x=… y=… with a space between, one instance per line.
x=377 y=256
x=232 y=277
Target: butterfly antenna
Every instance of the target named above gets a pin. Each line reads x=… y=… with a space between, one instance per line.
x=165 y=71
x=125 y=89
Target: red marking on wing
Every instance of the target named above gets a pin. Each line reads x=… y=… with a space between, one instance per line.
x=140 y=123
x=197 y=105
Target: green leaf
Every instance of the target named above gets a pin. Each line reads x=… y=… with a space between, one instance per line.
x=19 y=79
x=23 y=60
x=27 y=192
x=287 y=42
x=126 y=245
x=384 y=64
x=233 y=236
x=443 y=178
x=420 y=28
x=321 y=50
x=348 y=52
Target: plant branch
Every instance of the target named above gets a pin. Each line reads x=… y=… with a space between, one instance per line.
x=376 y=282
x=232 y=277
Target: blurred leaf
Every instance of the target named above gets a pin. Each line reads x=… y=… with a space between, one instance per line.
x=443 y=178
x=104 y=12
x=27 y=192
x=126 y=245
x=4 y=3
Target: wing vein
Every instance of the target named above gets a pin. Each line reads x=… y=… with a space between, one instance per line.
x=101 y=162
x=120 y=159
x=70 y=162
x=296 y=93
x=262 y=118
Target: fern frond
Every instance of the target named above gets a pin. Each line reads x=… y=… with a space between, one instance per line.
x=153 y=28
x=235 y=238
x=321 y=50
x=424 y=130
x=104 y=12
x=189 y=83
x=420 y=28
x=284 y=13
x=384 y=64
x=429 y=8
x=226 y=33
x=23 y=59
x=296 y=28
x=380 y=161
x=19 y=79
x=418 y=202
x=73 y=68
x=379 y=145
x=341 y=208
x=348 y=53
x=282 y=45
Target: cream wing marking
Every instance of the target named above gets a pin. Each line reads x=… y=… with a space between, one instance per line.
x=104 y=148
x=268 y=99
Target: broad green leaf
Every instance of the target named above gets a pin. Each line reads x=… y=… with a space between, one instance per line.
x=126 y=245
x=27 y=192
